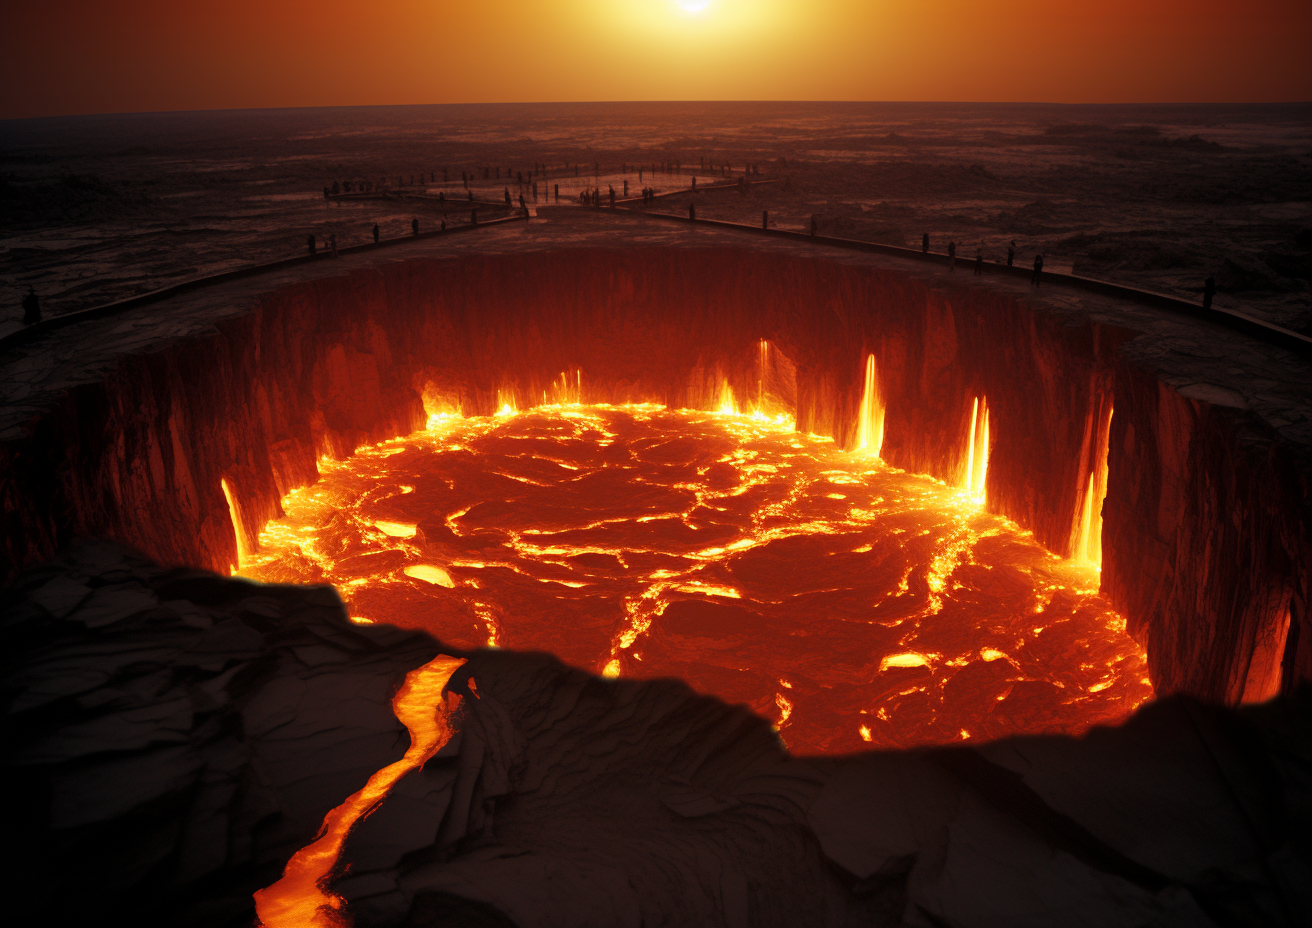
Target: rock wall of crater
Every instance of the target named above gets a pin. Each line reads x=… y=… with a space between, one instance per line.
x=320 y=367
x=1206 y=531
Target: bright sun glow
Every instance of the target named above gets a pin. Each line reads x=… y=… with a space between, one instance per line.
x=693 y=6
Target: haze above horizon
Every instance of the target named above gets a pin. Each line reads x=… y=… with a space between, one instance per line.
x=70 y=57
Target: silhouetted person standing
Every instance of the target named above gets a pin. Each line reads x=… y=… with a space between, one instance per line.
x=952 y=256
x=507 y=198
x=309 y=241
x=1011 y=254
x=375 y=233
x=414 y=227
x=1037 y=279
x=979 y=261
x=31 y=307
x=924 y=244
x=1209 y=291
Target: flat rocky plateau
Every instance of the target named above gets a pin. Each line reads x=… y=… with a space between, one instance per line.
x=101 y=207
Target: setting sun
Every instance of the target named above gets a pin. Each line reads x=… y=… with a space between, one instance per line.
x=1123 y=50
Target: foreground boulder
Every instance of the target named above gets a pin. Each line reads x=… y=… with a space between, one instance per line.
x=174 y=736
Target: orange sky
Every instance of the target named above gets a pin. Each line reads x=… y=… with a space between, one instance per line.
x=61 y=57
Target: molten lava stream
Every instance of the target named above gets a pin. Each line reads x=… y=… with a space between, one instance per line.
x=846 y=601
x=300 y=899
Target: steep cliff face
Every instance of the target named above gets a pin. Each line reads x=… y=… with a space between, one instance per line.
x=1207 y=537
x=1200 y=498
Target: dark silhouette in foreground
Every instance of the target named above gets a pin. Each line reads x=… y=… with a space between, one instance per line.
x=1186 y=814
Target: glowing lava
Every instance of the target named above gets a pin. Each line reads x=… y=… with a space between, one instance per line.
x=301 y=898
x=870 y=417
x=727 y=550
x=1086 y=545
x=977 y=454
x=243 y=552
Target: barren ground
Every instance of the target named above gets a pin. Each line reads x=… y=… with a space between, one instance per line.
x=102 y=207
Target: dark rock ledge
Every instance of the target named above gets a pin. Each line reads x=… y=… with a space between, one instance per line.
x=174 y=736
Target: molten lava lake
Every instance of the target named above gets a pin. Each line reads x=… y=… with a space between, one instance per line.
x=845 y=600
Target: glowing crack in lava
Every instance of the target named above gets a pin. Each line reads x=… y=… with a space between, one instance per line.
x=300 y=899
x=843 y=599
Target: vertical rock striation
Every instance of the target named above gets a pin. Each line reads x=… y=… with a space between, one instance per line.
x=1205 y=544
x=1206 y=528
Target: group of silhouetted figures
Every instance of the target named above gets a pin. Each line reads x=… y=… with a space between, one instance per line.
x=338 y=188
x=330 y=246
x=594 y=197
x=525 y=180
x=1036 y=278
x=348 y=186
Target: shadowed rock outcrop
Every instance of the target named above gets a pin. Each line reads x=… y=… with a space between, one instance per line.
x=172 y=736
x=175 y=736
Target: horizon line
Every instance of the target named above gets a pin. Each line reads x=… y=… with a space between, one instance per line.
x=498 y=103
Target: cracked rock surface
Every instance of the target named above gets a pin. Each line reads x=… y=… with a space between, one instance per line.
x=174 y=736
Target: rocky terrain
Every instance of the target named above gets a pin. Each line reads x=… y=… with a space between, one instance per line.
x=176 y=735
x=128 y=427
x=101 y=207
